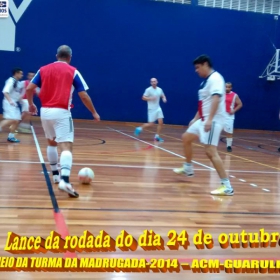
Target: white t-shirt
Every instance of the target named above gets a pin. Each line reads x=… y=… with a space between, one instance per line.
x=214 y=84
x=153 y=92
x=13 y=88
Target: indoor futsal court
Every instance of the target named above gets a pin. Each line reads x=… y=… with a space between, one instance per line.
x=211 y=68
x=135 y=189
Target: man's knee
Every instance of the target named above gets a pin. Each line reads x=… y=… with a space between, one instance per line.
x=211 y=151
x=66 y=146
x=15 y=122
x=188 y=137
x=52 y=142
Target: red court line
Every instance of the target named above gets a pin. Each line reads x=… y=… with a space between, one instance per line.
x=58 y=217
x=63 y=231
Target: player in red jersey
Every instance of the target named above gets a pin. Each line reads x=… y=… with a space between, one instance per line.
x=233 y=104
x=58 y=81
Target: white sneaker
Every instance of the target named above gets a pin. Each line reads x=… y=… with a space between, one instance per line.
x=67 y=187
x=189 y=172
x=24 y=130
x=223 y=191
x=56 y=179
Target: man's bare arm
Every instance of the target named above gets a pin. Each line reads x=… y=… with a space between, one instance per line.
x=88 y=103
x=238 y=104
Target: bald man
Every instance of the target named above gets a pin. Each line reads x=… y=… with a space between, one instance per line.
x=152 y=95
x=57 y=82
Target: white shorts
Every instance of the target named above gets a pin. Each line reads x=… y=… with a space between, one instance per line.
x=57 y=124
x=154 y=114
x=229 y=125
x=24 y=105
x=211 y=137
x=11 y=112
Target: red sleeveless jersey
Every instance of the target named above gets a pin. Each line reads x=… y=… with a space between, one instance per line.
x=230 y=101
x=57 y=85
x=26 y=83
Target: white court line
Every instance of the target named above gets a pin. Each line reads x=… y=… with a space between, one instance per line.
x=37 y=145
x=133 y=166
x=104 y=129
x=242 y=180
x=253 y=185
x=252 y=171
x=19 y=161
x=266 y=190
x=165 y=150
x=102 y=165
x=130 y=166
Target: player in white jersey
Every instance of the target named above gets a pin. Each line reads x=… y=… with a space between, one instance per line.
x=152 y=95
x=208 y=123
x=11 y=112
x=24 y=125
x=233 y=104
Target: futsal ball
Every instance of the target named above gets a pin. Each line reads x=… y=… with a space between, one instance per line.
x=86 y=175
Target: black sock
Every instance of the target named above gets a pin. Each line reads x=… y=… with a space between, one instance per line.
x=55 y=172
x=65 y=179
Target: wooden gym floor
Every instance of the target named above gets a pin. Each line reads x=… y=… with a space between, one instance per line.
x=135 y=189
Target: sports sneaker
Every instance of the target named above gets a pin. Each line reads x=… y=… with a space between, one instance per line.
x=189 y=172
x=56 y=179
x=158 y=139
x=229 y=149
x=13 y=140
x=223 y=190
x=67 y=187
x=137 y=131
x=24 y=130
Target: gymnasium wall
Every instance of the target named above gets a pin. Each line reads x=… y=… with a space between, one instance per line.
x=118 y=45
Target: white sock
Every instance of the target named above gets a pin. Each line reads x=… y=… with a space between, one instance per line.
x=66 y=159
x=52 y=157
x=226 y=183
x=229 y=142
x=188 y=166
x=156 y=136
x=11 y=135
x=140 y=128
